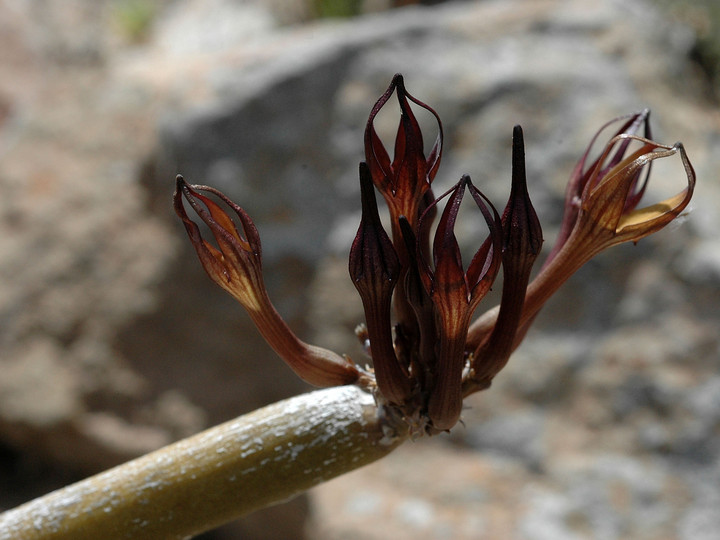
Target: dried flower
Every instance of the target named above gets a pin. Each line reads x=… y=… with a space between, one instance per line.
x=429 y=356
x=584 y=175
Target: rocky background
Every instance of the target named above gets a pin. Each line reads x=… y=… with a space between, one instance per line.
x=606 y=423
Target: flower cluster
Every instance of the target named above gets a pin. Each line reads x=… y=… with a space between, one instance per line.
x=418 y=296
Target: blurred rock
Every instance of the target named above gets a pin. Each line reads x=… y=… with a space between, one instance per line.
x=517 y=436
x=110 y=333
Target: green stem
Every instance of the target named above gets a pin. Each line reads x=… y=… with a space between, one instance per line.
x=199 y=483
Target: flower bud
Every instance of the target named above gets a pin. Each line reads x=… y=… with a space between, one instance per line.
x=375 y=269
x=522 y=239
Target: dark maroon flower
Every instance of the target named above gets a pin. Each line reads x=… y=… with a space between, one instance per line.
x=605 y=212
x=522 y=240
x=375 y=269
x=427 y=355
x=455 y=294
x=405 y=179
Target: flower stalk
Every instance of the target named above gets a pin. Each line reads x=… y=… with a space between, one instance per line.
x=219 y=475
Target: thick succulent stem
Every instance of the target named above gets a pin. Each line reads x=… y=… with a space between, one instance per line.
x=199 y=483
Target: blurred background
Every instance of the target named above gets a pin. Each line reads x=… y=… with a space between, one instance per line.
x=113 y=342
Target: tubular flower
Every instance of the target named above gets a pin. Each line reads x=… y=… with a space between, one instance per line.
x=236 y=266
x=605 y=212
x=406 y=179
x=418 y=298
x=601 y=210
x=455 y=294
x=375 y=269
x=521 y=246
x=584 y=175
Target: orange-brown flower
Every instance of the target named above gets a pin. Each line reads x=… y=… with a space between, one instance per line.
x=405 y=179
x=607 y=211
x=236 y=265
x=602 y=209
